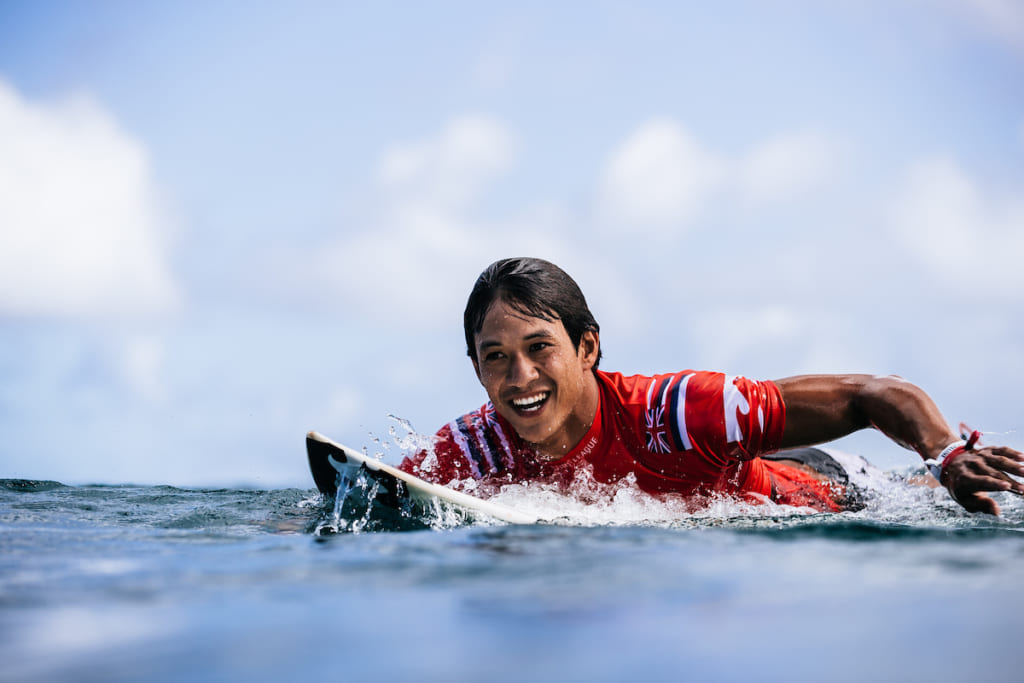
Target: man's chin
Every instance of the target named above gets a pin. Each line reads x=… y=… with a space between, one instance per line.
x=533 y=432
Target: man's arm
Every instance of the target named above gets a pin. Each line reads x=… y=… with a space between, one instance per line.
x=821 y=408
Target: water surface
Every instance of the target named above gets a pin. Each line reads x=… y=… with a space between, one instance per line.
x=102 y=583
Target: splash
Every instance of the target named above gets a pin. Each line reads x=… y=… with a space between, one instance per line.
x=895 y=497
x=368 y=501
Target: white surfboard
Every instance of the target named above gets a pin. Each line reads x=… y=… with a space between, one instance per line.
x=328 y=460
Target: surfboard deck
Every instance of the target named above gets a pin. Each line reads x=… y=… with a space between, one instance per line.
x=331 y=462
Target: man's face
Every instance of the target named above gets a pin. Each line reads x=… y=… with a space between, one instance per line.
x=536 y=379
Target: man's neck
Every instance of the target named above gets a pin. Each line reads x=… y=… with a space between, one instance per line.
x=578 y=423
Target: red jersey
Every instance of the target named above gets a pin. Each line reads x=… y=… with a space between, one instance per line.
x=692 y=433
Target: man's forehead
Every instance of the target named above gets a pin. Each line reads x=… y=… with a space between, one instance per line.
x=501 y=314
x=513 y=309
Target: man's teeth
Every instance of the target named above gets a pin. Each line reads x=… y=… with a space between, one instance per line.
x=530 y=402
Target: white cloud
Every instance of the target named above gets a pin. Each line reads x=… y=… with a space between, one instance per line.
x=424 y=243
x=659 y=178
x=81 y=230
x=786 y=166
x=418 y=258
x=422 y=246
x=780 y=339
x=969 y=239
x=451 y=169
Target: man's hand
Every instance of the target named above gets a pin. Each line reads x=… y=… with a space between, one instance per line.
x=971 y=473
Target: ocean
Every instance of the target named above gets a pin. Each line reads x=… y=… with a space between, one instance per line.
x=156 y=583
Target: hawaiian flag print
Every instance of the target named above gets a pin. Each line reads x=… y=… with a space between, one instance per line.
x=657 y=441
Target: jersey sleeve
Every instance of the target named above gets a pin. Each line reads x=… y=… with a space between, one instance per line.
x=734 y=417
x=720 y=417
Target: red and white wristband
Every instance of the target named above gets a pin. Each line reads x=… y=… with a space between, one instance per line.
x=947 y=454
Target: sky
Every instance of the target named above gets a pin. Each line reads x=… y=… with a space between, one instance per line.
x=225 y=224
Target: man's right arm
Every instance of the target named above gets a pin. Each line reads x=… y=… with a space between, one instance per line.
x=822 y=408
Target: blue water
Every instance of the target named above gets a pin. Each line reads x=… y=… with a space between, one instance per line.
x=102 y=583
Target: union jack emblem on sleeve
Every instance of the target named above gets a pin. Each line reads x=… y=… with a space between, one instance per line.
x=657 y=441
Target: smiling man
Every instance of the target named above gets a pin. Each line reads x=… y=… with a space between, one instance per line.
x=552 y=413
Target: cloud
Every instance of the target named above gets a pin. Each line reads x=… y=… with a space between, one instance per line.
x=421 y=243
x=423 y=238
x=662 y=179
x=659 y=177
x=451 y=169
x=82 y=232
x=967 y=238
x=787 y=166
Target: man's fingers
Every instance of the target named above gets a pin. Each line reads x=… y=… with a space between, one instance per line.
x=985 y=482
x=987 y=469
x=1005 y=452
x=1005 y=464
x=976 y=502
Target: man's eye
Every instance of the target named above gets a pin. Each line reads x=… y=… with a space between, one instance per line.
x=539 y=346
x=494 y=355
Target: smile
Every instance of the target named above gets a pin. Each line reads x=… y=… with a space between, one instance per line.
x=531 y=403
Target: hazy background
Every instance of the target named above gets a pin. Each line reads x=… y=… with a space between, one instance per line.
x=224 y=224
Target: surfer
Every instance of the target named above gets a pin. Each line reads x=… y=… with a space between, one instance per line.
x=535 y=347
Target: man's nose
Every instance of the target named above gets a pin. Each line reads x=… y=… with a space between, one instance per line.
x=521 y=371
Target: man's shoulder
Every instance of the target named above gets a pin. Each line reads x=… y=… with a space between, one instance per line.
x=482 y=438
x=629 y=385
x=484 y=417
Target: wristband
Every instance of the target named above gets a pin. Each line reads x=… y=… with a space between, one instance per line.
x=935 y=464
x=946 y=455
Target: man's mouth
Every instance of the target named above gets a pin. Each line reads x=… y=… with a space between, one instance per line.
x=531 y=403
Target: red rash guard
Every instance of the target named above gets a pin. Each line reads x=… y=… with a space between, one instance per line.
x=691 y=433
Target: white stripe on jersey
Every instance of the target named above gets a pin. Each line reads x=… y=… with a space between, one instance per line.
x=481 y=440
x=650 y=391
x=681 y=413
x=664 y=395
x=733 y=398
x=460 y=440
x=506 y=450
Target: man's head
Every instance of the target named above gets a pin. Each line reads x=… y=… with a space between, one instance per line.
x=534 y=345
x=535 y=288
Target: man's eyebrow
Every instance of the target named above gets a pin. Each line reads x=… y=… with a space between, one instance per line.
x=539 y=334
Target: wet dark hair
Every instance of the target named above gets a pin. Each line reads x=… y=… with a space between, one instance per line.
x=535 y=288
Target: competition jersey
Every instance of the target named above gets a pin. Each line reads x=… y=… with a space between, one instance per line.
x=691 y=432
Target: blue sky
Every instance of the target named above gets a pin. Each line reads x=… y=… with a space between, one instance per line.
x=224 y=224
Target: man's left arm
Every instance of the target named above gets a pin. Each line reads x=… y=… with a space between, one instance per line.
x=822 y=408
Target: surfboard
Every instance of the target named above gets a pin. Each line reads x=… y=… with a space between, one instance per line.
x=331 y=463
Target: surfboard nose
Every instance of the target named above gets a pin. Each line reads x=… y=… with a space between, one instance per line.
x=324 y=475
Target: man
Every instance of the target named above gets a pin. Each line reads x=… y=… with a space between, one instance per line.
x=552 y=414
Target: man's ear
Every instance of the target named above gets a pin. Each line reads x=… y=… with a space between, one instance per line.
x=476 y=369
x=590 y=345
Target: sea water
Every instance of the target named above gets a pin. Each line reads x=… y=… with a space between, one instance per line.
x=128 y=583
